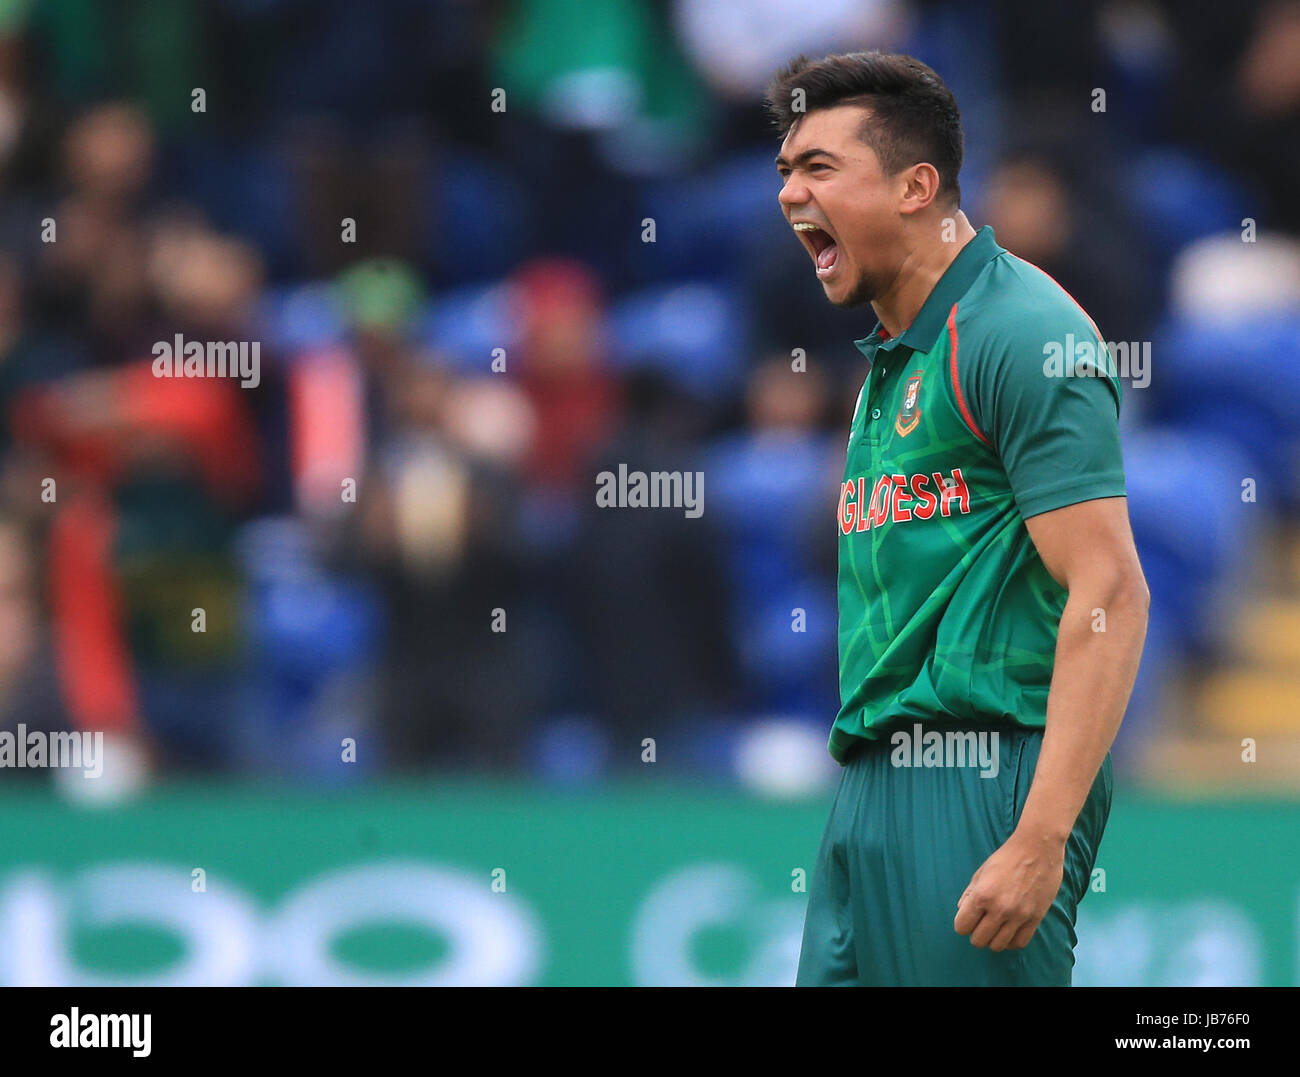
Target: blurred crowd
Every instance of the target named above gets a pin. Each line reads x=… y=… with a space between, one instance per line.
x=489 y=250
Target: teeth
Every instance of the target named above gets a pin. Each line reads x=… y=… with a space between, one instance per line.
x=805 y=226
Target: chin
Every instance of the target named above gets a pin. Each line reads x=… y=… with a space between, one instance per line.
x=858 y=296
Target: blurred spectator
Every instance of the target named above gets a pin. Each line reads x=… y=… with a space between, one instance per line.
x=647 y=588
x=29 y=692
x=151 y=474
x=91 y=267
x=1248 y=118
x=1040 y=218
x=440 y=530
x=562 y=371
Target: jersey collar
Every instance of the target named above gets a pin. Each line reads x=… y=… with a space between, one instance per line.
x=920 y=336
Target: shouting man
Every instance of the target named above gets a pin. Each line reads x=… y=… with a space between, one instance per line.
x=992 y=609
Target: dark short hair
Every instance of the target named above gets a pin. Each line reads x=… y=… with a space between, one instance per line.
x=914 y=116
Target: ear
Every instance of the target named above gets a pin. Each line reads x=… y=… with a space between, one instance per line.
x=920 y=187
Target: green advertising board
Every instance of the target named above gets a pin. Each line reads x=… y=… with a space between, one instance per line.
x=514 y=884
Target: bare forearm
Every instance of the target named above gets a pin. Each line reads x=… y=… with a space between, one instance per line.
x=1096 y=664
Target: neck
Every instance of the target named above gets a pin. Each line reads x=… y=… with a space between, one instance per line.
x=923 y=264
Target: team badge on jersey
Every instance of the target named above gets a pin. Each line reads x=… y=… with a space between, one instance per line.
x=909 y=414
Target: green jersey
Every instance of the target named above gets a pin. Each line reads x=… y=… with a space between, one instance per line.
x=999 y=402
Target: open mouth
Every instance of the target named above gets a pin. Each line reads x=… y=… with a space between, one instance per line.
x=821 y=245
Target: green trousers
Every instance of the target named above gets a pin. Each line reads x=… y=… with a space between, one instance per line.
x=899 y=849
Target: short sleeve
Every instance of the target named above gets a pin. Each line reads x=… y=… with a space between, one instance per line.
x=1045 y=395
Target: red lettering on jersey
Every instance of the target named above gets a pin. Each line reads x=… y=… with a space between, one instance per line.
x=899 y=499
x=900 y=514
x=961 y=489
x=848 y=509
x=880 y=501
x=954 y=489
x=928 y=502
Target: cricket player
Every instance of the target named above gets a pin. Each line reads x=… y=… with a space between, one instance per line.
x=991 y=605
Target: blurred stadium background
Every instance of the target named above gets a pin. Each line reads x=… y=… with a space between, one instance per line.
x=192 y=166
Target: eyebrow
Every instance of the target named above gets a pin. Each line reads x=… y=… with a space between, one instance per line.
x=804 y=157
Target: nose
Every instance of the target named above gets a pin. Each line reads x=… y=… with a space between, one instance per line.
x=794 y=193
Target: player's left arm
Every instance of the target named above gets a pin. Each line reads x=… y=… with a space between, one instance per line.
x=1088 y=549
x=1058 y=440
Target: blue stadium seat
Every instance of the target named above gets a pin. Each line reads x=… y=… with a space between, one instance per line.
x=478 y=213
x=300 y=317
x=570 y=750
x=794 y=672
x=1256 y=359
x=244 y=188
x=695 y=333
x=766 y=492
x=1180 y=198
x=303 y=624
x=1194 y=533
x=468 y=323
x=703 y=224
x=1237 y=383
